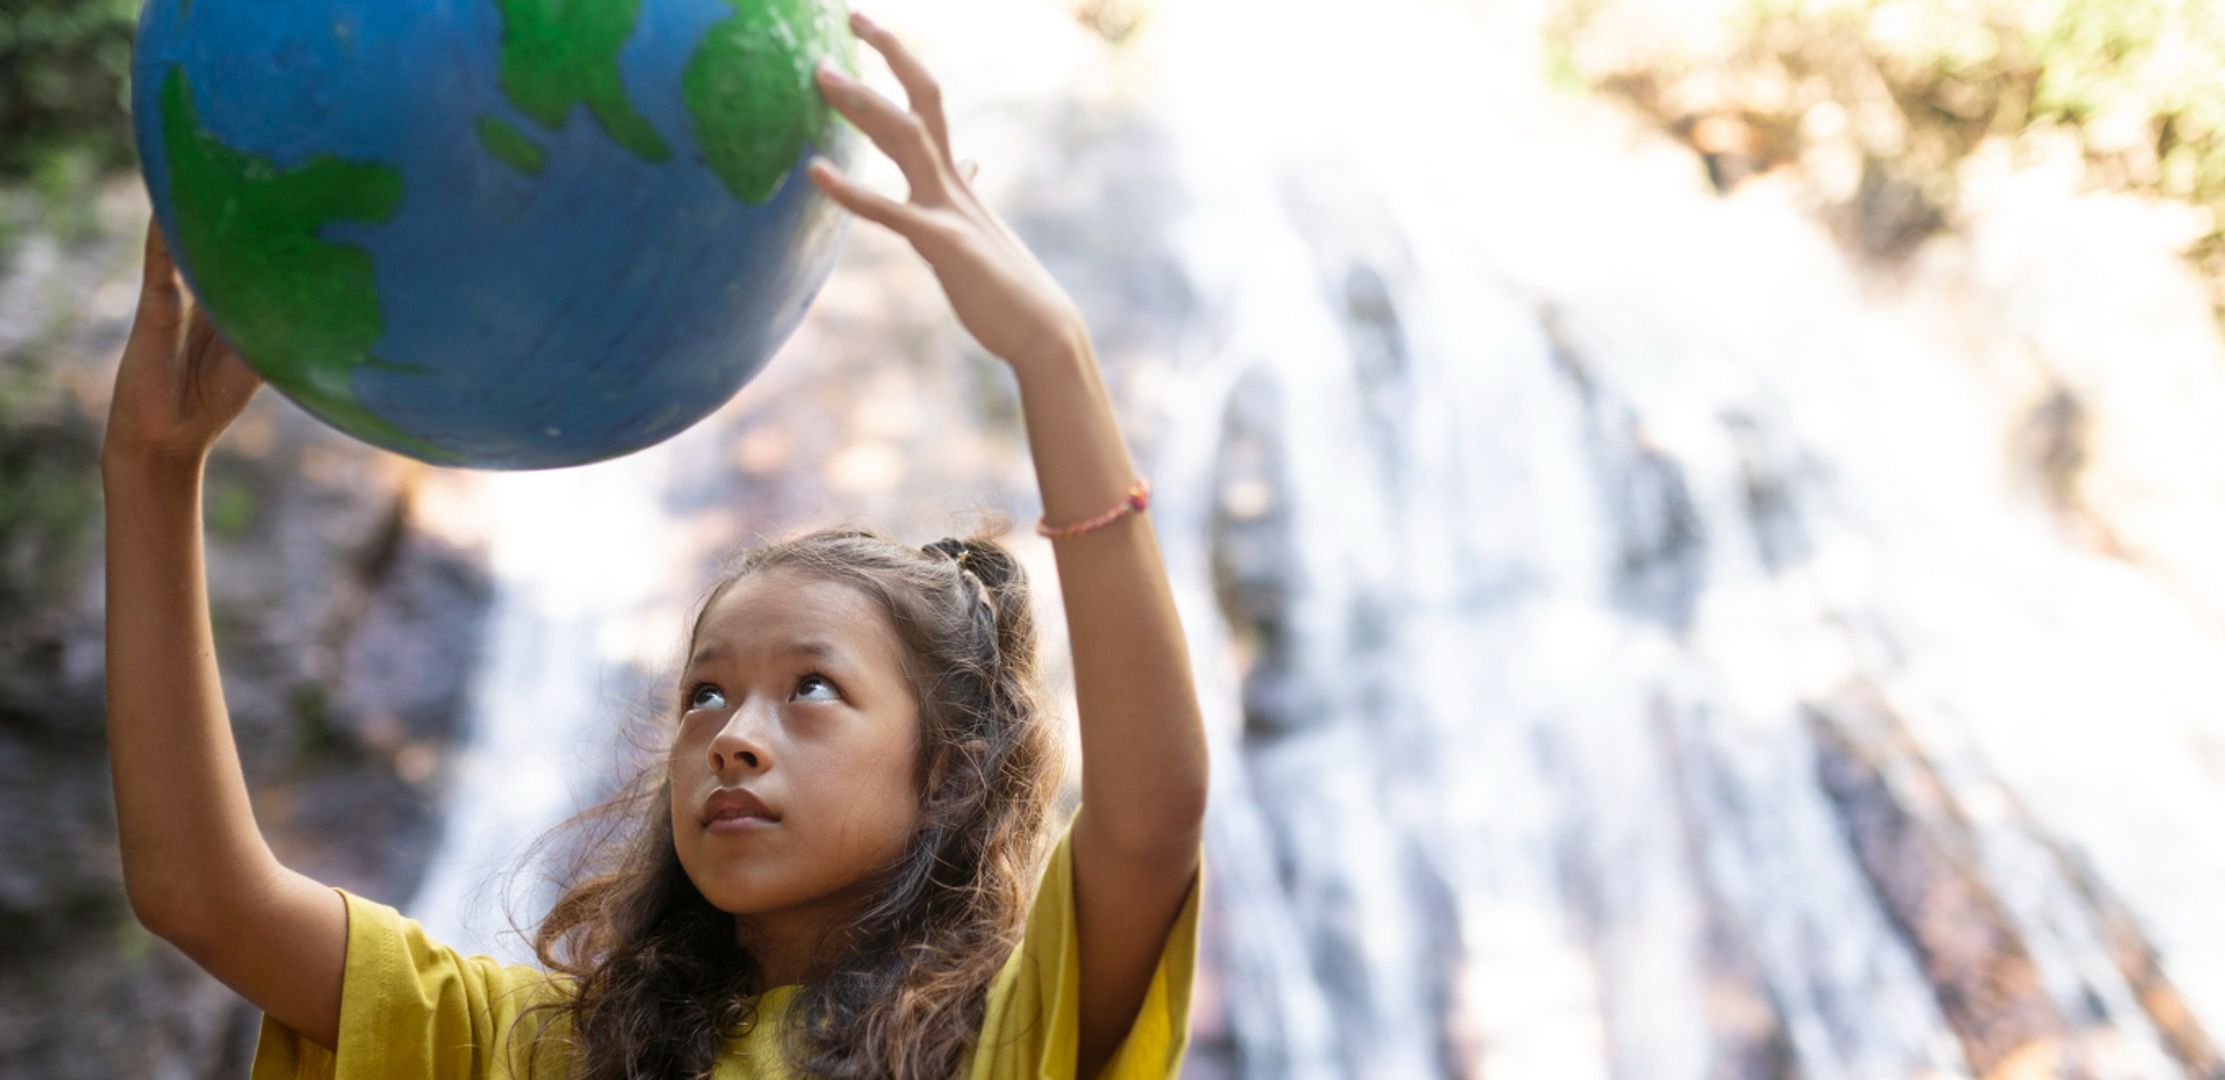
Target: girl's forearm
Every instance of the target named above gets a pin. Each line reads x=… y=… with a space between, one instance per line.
x=1143 y=741
x=188 y=832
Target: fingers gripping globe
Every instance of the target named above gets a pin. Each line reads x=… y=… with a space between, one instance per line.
x=501 y=234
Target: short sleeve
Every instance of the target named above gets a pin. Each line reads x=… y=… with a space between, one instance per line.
x=1033 y=1026
x=412 y=1007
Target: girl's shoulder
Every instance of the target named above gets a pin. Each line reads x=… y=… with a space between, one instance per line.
x=1033 y=1022
x=412 y=1006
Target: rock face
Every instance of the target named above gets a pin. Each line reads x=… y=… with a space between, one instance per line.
x=346 y=639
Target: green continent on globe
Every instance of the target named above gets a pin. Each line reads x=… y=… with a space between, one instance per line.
x=304 y=310
x=559 y=53
x=750 y=89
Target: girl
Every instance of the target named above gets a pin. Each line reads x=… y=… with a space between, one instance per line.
x=831 y=872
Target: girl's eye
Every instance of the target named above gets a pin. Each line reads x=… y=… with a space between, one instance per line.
x=708 y=696
x=820 y=680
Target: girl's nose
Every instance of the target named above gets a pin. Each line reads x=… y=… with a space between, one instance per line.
x=748 y=759
x=739 y=745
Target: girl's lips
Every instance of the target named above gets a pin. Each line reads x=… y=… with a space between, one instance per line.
x=737 y=800
x=746 y=823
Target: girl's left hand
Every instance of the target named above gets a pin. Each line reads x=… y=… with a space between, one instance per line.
x=1000 y=293
x=178 y=385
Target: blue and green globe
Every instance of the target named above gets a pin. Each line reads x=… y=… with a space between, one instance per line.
x=506 y=234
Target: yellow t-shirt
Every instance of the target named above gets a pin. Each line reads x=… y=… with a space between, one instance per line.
x=412 y=1008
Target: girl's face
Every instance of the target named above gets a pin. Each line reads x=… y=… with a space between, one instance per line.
x=795 y=694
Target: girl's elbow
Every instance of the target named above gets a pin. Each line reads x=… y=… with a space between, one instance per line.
x=159 y=912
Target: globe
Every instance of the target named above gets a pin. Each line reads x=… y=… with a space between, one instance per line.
x=502 y=234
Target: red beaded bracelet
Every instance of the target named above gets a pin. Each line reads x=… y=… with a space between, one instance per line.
x=1139 y=497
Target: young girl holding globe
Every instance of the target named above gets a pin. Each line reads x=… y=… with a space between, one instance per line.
x=837 y=871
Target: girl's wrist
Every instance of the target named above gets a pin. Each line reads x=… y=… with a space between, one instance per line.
x=124 y=462
x=1059 y=357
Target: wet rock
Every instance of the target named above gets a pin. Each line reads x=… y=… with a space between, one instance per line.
x=345 y=638
x=1915 y=848
x=1661 y=556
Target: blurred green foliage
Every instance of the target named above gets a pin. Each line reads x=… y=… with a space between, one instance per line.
x=2138 y=85
x=64 y=72
x=2141 y=83
x=231 y=509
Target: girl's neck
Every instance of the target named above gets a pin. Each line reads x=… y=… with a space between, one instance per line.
x=791 y=947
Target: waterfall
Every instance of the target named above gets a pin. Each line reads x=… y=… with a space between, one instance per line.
x=592 y=583
x=1627 y=645
x=1648 y=669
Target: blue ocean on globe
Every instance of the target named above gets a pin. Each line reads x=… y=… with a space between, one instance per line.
x=508 y=234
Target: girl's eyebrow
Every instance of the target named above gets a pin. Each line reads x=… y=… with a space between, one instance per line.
x=819 y=649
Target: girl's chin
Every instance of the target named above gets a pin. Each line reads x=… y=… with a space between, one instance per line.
x=732 y=886
x=742 y=903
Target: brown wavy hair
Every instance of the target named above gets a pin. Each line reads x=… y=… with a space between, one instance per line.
x=659 y=981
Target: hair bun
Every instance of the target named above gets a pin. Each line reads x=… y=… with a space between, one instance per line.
x=981 y=555
x=1004 y=583
x=954 y=549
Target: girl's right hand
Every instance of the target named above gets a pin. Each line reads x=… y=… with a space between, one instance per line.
x=179 y=385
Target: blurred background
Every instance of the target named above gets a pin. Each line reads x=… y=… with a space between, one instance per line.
x=1701 y=525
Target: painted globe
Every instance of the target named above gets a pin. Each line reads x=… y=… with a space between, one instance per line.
x=505 y=234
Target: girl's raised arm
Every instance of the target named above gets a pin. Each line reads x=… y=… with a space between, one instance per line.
x=1136 y=843
x=196 y=867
